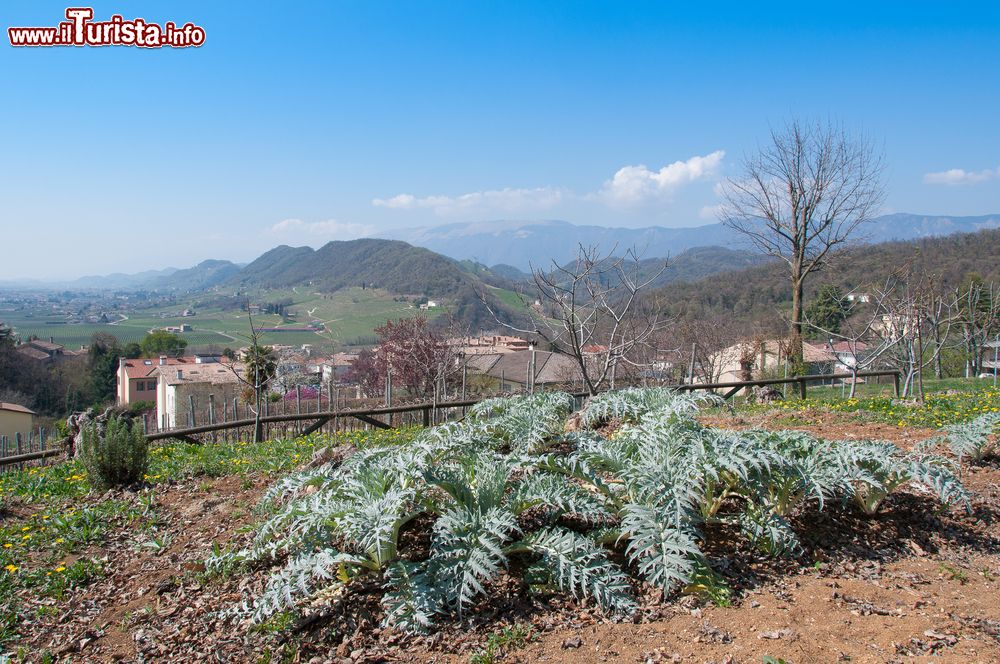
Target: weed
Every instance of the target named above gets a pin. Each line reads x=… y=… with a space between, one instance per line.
x=502 y=642
x=953 y=573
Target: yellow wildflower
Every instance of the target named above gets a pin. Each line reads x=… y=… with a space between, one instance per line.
x=11 y=568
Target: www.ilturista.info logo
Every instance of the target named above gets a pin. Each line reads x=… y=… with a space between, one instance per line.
x=81 y=30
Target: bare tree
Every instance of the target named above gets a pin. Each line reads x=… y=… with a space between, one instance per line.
x=915 y=324
x=259 y=367
x=703 y=342
x=802 y=196
x=591 y=309
x=978 y=304
x=864 y=337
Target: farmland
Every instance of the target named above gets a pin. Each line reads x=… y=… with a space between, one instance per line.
x=161 y=571
x=345 y=317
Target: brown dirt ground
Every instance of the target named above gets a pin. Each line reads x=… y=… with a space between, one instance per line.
x=912 y=584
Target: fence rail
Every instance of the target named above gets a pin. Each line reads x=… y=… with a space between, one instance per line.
x=21 y=448
x=799 y=381
x=429 y=413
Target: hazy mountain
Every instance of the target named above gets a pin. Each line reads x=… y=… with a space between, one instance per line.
x=119 y=280
x=524 y=243
x=202 y=276
x=538 y=243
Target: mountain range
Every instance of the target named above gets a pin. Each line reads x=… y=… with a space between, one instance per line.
x=449 y=260
x=523 y=244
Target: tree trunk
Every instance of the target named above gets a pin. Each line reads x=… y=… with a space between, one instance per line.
x=920 y=364
x=795 y=342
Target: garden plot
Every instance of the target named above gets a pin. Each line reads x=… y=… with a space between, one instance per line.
x=641 y=536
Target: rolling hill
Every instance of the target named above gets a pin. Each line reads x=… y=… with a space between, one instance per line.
x=761 y=291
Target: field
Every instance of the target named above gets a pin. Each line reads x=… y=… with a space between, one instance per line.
x=154 y=572
x=346 y=317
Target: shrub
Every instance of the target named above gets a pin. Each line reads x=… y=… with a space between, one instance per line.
x=116 y=457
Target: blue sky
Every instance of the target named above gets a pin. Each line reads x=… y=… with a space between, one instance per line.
x=330 y=120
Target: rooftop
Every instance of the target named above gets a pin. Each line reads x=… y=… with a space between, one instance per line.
x=215 y=373
x=15 y=408
x=144 y=367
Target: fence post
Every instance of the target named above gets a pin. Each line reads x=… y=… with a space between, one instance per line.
x=802 y=387
x=298 y=407
x=895 y=383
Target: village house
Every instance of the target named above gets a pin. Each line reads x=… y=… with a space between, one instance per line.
x=138 y=378
x=487 y=344
x=335 y=368
x=513 y=369
x=990 y=362
x=749 y=360
x=44 y=351
x=15 y=419
x=184 y=392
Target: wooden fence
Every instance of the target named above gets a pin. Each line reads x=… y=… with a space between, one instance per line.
x=306 y=421
x=33 y=447
x=309 y=416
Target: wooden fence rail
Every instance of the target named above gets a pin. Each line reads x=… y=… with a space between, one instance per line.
x=800 y=381
x=433 y=413
x=23 y=447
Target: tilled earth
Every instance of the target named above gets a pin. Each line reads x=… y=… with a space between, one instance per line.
x=911 y=584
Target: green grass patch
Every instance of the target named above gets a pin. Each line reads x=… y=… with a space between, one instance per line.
x=947 y=402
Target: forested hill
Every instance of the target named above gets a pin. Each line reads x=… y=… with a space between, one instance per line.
x=389 y=264
x=759 y=292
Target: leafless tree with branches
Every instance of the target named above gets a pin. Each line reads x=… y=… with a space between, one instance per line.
x=801 y=197
x=255 y=374
x=592 y=310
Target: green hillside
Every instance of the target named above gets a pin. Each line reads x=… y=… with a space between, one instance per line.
x=763 y=290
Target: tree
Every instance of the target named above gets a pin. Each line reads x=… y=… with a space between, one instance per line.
x=592 y=310
x=801 y=197
x=259 y=368
x=102 y=362
x=979 y=315
x=161 y=342
x=417 y=357
x=827 y=311
x=366 y=373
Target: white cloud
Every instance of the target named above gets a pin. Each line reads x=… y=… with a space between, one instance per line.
x=712 y=212
x=330 y=228
x=956 y=176
x=502 y=200
x=630 y=185
x=638 y=184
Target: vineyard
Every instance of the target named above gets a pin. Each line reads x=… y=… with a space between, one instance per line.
x=346 y=316
x=637 y=527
